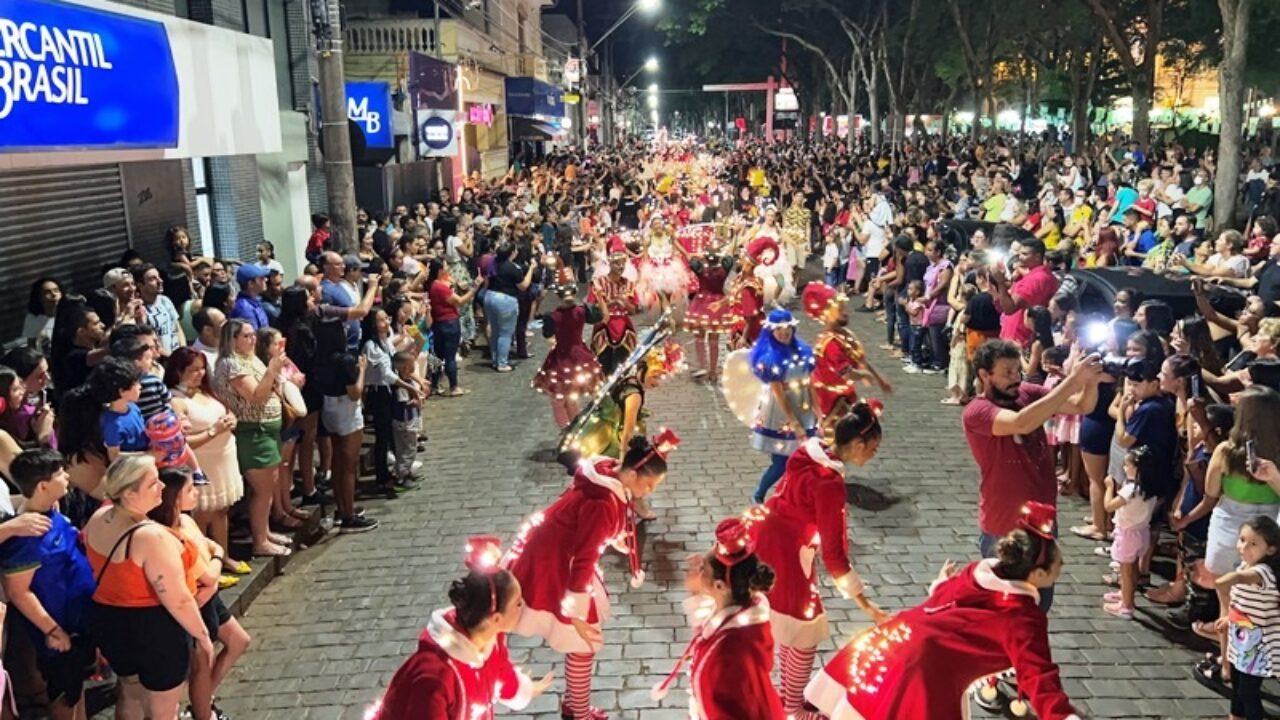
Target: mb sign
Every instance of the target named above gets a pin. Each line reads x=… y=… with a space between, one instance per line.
x=369 y=106
x=73 y=77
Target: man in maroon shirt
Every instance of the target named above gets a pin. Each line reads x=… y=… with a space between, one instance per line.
x=1005 y=430
x=1036 y=287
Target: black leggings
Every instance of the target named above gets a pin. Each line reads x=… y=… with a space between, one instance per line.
x=378 y=399
x=1246 y=695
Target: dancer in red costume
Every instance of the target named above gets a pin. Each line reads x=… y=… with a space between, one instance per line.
x=570 y=371
x=614 y=337
x=839 y=360
x=462 y=667
x=555 y=557
x=731 y=654
x=805 y=518
x=976 y=622
x=709 y=313
x=746 y=295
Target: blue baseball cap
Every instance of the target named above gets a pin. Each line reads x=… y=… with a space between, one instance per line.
x=251 y=271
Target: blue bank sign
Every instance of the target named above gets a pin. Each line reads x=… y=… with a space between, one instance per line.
x=369 y=106
x=77 y=77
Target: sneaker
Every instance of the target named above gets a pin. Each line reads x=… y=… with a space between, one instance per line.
x=317 y=498
x=356 y=524
x=406 y=483
x=1118 y=610
x=535 y=324
x=933 y=371
x=912 y=369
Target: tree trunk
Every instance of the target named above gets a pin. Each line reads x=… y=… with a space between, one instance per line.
x=1235 y=44
x=1143 y=96
x=1079 y=101
x=975 y=131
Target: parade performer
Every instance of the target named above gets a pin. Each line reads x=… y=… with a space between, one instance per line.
x=555 y=554
x=462 y=665
x=806 y=519
x=840 y=362
x=796 y=226
x=778 y=390
x=602 y=257
x=570 y=372
x=976 y=622
x=614 y=337
x=709 y=313
x=746 y=294
x=664 y=271
x=777 y=276
x=731 y=654
x=620 y=413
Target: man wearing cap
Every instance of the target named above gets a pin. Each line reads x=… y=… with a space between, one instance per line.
x=161 y=314
x=839 y=362
x=341 y=277
x=252 y=280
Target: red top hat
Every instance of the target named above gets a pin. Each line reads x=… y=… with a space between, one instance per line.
x=1039 y=519
x=757 y=248
x=733 y=542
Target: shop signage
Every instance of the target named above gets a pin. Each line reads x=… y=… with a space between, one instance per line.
x=572 y=70
x=572 y=98
x=78 y=77
x=369 y=106
x=437 y=133
x=481 y=114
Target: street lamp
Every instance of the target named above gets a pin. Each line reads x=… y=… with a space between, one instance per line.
x=651 y=65
x=646 y=6
x=653 y=88
x=653 y=101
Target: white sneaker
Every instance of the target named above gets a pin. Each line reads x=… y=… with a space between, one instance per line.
x=911 y=369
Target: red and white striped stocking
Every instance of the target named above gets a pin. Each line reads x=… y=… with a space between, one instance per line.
x=797 y=666
x=577 y=684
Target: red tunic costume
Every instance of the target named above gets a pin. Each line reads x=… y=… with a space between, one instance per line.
x=448 y=678
x=920 y=664
x=836 y=352
x=805 y=515
x=555 y=556
x=570 y=370
x=709 y=312
x=613 y=339
x=747 y=300
x=731 y=666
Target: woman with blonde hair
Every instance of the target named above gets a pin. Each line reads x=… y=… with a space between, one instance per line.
x=145 y=610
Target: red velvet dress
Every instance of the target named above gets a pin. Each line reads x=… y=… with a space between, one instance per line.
x=709 y=312
x=556 y=553
x=732 y=660
x=570 y=370
x=613 y=339
x=835 y=354
x=448 y=678
x=921 y=663
x=805 y=517
x=747 y=300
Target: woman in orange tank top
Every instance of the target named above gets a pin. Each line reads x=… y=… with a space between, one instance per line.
x=177 y=500
x=144 y=613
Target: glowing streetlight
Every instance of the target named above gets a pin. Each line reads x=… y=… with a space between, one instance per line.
x=653 y=101
x=653 y=88
x=649 y=6
x=651 y=65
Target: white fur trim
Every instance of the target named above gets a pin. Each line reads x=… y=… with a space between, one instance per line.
x=984 y=574
x=588 y=468
x=560 y=636
x=524 y=692
x=576 y=605
x=800 y=634
x=454 y=642
x=849 y=584
x=818 y=452
x=757 y=614
x=830 y=697
x=698 y=609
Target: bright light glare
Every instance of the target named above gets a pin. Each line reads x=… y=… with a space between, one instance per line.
x=653 y=101
x=648 y=5
x=653 y=88
x=964 y=117
x=651 y=64
x=1267 y=111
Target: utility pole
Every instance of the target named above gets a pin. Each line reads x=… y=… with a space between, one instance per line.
x=326 y=26
x=583 y=54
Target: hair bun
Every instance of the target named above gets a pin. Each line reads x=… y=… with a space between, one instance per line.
x=639 y=443
x=458 y=594
x=762 y=578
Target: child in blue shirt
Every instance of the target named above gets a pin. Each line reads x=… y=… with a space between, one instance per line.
x=48 y=579
x=115 y=384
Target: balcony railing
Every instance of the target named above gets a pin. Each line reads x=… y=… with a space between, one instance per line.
x=385 y=36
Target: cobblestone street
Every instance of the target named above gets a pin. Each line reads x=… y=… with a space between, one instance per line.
x=329 y=634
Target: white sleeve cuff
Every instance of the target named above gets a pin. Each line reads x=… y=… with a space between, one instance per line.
x=849 y=584
x=576 y=605
x=698 y=609
x=524 y=692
